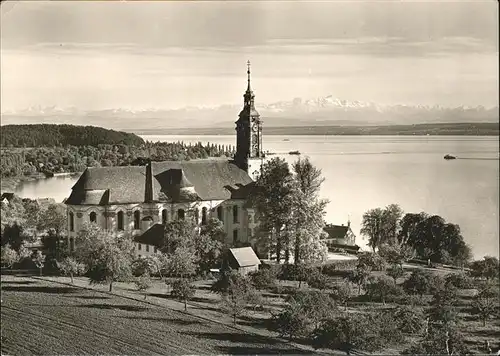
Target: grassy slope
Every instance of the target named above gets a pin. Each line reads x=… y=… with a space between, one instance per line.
x=40 y=317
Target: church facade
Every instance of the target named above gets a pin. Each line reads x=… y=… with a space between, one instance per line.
x=137 y=201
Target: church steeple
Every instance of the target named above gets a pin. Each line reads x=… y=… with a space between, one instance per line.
x=248 y=129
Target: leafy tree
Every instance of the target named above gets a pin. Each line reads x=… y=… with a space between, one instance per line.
x=183 y=290
x=72 y=267
x=381 y=225
x=39 y=259
x=396 y=254
x=380 y=288
x=149 y=265
x=272 y=197
x=349 y=333
x=317 y=280
x=342 y=293
x=178 y=233
x=487 y=268
x=459 y=280
x=420 y=282
x=373 y=261
x=238 y=295
x=359 y=276
x=182 y=262
x=264 y=278
x=486 y=302
x=209 y=244
x=9 y=256
x=409 y=320
x=395 y=272
x=441 y=341
x=143 y=283
x=109 y=257
x=291 y=322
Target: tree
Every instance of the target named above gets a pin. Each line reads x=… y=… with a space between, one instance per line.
x=9 y=256
x=395 y=272
x=272 y=199
x=291 y=322
x=178 y=233
x=72 y=267
x=39 y=259
x=354 y=332
x=264 y=278
x=182 y=289
x=459 y=280
x=238 y=295
x=372 y=261
x=308 y=211
x=396 y=254
x=317 y=280
x=149 y=265
x=359 y=276
x=209 y=244
x=381 y=225
x=342 y=293
x=380 y=288
x=486 y=302
x=53 y=220
x=440 y=341
x=419 y=282
x=182 y=262
x=143 y=283
x=409 y=320
x=487 y=268
x=109 y=257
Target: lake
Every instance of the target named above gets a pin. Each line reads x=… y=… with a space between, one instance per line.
x=364 y=172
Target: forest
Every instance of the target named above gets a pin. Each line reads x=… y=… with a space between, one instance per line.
x=67 y=148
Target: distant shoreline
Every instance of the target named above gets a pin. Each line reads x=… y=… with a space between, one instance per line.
x=440 y=129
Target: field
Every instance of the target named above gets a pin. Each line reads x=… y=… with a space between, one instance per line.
x=42 y=317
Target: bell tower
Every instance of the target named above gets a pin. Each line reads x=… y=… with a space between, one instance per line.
x=248 y=132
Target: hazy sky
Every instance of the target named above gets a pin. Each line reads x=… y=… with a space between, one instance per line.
x=174 y=54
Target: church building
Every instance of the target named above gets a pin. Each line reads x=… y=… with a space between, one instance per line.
x=138 y=200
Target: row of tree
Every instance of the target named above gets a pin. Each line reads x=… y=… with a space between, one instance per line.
x=59 y=159
x=429 y=236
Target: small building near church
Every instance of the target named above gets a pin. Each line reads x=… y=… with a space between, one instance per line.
x=149 y=242
x=242 y=259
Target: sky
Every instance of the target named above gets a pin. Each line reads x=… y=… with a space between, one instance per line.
x=140 y=55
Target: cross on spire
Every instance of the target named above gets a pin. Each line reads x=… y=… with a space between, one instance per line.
x=248 y=72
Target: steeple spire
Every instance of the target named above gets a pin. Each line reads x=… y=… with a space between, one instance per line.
x=249 y=89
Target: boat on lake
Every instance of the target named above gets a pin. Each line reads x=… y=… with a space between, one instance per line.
x=294 y=153
x=447 y=157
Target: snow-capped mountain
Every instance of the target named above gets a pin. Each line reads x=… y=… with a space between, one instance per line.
x=327 y=110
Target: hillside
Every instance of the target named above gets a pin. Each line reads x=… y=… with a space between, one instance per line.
x=50 y=135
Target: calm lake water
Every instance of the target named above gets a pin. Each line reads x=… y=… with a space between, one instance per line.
x=364 y=172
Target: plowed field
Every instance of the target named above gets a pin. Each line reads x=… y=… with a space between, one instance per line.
x=44 y=318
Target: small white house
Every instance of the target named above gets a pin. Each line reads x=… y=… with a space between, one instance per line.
x=242 y=259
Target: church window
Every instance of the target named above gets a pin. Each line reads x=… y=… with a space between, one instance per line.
x=72 y=244
x=164 y=216
x=204 y=216
x=235 y=235
x=220 y=214
x=147 y=248
x=93 y=217
x=137 y=220
x=180 y=214
x=139 y=247
x=235 y=214
x=71 y=221
x=120 y=220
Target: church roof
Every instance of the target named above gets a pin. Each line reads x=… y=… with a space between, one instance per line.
x=244 y=256
x=152 y=236
x=172 y=181
x=336 y=231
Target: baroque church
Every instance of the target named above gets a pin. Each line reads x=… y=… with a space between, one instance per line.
x=138 y=200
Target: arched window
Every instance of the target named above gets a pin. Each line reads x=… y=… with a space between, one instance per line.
x=197 y=216
x=93 y=217
x=204 y=216
x=71 y=221
x=180 y=214
x=235 y=236
x=164 y=216
x=137 y=220
x=220 y=214
x=235 y=214
x=120 y=220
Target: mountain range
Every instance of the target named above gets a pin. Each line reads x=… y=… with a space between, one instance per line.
x=320 y=111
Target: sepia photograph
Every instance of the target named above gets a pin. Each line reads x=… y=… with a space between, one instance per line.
x=262 y=177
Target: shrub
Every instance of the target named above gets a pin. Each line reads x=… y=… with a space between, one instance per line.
x=317 y=280
x=182 y=289
x=264 y=278
x=382 y=289
x=143 y=283
x=373 y=261
x=459 y=280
